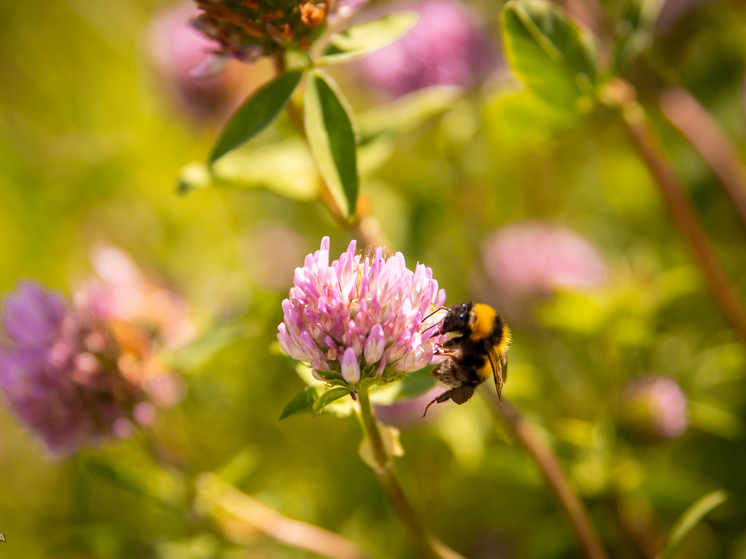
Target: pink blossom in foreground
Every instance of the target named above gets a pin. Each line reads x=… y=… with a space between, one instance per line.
x=654 y=408
x=446 y=47
x=360 y=316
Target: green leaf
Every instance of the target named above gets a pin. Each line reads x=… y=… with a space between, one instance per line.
x=712 y=417
x=194 y=176
x=263 y=166
x=416 y=384
x=331 y=376
x=548 y=53
x=238 y=468
x=203 y=349
x=302 y=403
x=363 y=39
x=687 y=521
x=328 y=397
x=117 y=475
x=256 y=113
x=332 y=139
x=519 y=122
x=408 y=112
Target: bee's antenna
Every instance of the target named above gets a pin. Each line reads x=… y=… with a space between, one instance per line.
x=435 y=311
x=431 y=314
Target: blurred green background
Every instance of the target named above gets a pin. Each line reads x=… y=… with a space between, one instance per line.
x=93 y=138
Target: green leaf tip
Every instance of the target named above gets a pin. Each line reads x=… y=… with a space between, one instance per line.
x=256 y=113
x=301 y=403
x=328 y=397
x=366 y=38
x=687 y=521
x=332 y=138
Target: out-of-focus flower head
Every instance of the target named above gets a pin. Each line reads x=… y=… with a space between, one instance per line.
x=78 y=374
x=654 y=408
x=446 y=47
x=121 y=293
x=248 y=29
x=528 y=260
x=60 y=375
x=361 y=317
x=204 y=83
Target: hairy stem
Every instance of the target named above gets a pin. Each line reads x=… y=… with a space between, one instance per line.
x=527 y=437
x=384 y=470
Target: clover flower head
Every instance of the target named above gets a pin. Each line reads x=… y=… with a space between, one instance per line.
x=198 y=83
x=57 y=381
x=249 y=29
x=654 y=408
x=360 y=317
x=79 y=374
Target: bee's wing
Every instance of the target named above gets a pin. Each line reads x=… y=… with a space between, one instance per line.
x=499 y=363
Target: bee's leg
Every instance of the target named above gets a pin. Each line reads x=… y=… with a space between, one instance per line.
x=462 y=394
x=459 y=395
x=452 y=342
x=444 y=397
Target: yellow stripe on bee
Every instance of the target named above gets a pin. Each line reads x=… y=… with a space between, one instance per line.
x=502 y=347
x=485 y=371
x=484 y=321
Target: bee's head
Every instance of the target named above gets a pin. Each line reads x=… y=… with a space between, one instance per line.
x=457 y=319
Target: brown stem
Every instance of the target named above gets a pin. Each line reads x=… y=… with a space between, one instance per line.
x=431 y=546
x=240 y=516
x=683 y=110
x=622 y=95
x=526 y=436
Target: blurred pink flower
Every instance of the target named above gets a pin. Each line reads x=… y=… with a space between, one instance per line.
x=360 y=316
x=81 y=373
x=205 y=83
x=527 y=260
x=654 y=408
x=446 y=47
x=63 y=382
x=121 y=292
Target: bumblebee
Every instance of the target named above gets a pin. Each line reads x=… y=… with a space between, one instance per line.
x=477 y=349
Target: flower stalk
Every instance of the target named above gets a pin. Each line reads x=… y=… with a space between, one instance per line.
x=524 y=434
x=704 y=133
x=621 y=96
x=431 y=546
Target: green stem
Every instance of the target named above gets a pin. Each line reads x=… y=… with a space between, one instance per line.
x=365 y=227
x=431 y=546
